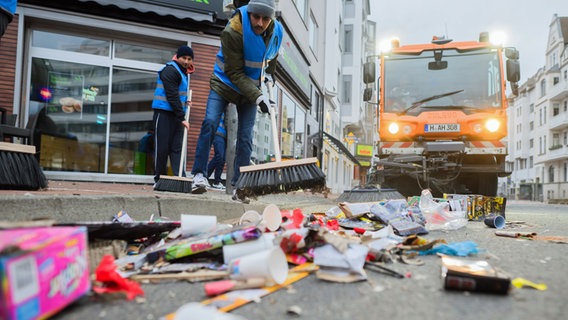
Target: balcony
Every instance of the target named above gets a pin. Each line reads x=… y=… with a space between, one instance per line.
x=559 y=91
x=558 y=152
x=559 y=121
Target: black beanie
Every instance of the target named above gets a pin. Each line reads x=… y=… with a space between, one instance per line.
x=184 y=51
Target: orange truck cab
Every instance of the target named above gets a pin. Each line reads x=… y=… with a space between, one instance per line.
x=442 y=115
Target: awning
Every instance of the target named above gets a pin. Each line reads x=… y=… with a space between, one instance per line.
x=340 y=147
x=195 y=10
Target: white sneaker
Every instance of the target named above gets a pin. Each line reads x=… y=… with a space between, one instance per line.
x=218 y=186
x=199 y=184
x=200 y=181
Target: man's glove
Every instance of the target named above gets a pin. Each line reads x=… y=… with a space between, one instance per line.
x=263 y=102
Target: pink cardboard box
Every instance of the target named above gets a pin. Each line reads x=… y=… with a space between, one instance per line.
x=42 y=270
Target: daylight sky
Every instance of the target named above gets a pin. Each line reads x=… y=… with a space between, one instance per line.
x=525 y=23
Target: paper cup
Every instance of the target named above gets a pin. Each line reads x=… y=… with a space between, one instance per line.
x=271 y=217
x=269 y=264
x=233 y=251
x=497 y=222
x=194 y=224
x=250 y=217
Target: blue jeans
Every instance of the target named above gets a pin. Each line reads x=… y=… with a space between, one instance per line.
x=218 y=162
x=216 y=106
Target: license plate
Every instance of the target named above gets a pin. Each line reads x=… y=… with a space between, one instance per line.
x=448 y=127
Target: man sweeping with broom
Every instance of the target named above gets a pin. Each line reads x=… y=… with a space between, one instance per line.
x=169 y=122
x=237 y=77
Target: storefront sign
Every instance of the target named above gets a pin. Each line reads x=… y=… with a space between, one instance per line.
x=294 y=64
x=197 y=5
x=364 y=150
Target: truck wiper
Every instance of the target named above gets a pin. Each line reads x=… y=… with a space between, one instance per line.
x=418 y=103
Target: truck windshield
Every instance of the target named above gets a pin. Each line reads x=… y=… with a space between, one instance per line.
x=409 y=84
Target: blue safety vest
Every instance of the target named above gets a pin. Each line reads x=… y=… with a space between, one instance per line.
x=160 y=100
x=256 y=54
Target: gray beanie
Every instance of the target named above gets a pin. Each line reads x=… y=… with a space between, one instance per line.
x=262 y=7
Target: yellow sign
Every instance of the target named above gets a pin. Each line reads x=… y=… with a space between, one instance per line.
x=364 y=150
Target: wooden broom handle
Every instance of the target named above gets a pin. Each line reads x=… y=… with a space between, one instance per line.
x=184 y=140
x=277 y=152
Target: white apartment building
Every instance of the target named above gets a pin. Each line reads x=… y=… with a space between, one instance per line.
x=538 y=126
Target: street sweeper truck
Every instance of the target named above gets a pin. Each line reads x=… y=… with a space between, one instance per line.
x=442 y=117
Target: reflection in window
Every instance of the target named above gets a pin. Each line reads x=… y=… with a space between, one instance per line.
x=131 y=136
x=72 y=99
x=56 y=41
x=134 y=52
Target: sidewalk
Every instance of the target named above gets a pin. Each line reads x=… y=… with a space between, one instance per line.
x=69 y=201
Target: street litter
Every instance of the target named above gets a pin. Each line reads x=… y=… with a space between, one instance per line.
x=262 y=253
x=524 y=283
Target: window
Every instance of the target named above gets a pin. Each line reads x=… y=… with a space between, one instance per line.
x=555 y=80
x=543 y=87
x=346 y=92
x=301 y=6
x=313 y=36
x=531 y=108
x=555 y=109
x=566 y=138
x=530 y=162
x=348 y=38
x=94 y=97
x=551 y=174
x=531 y=143
x=531 y=125
x=565 y=106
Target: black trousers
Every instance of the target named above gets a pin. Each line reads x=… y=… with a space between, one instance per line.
x=168 y=136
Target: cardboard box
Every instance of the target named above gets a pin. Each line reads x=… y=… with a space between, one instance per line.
x=477 y=206
x=42 y=270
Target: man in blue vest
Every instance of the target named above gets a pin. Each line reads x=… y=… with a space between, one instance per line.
x=217 y=164
x=7 y=11
x=169 y=104
x=237 y=77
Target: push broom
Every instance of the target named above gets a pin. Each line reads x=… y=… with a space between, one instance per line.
x=19 y=168
x=178 y=183
x=280 y=176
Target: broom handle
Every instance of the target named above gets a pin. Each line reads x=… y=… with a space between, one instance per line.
x=277 y=152
x=184 y=143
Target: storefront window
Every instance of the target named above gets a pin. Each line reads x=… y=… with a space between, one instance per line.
x=102 y=101
x=131 y=136
x=293 y=128
x=71 y=101
x=56 y=41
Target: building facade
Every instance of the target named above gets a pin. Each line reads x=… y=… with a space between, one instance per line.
x=86 y=71
x=538 y=126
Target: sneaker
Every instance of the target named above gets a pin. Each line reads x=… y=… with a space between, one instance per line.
x=236 y=197
x=199 y=184
x=218 y=186
x=200 y=180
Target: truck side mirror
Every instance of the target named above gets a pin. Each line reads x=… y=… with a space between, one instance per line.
x=513 y=70
x=369 y=72
x=512 y=53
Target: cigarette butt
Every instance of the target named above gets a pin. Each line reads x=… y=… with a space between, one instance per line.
x=219 y=287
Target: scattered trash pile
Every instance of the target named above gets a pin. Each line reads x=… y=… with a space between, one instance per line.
x=264 y=252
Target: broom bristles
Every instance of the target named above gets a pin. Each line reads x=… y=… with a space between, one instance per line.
x=174 y=184
x=19 y=168
x=280 y=177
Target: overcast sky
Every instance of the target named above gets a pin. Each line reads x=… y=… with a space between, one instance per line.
x=525 y=23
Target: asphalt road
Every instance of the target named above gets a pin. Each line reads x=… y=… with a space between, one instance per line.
x=384 y=297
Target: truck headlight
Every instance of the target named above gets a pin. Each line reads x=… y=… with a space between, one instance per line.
x=393 y=128
x=492 y=125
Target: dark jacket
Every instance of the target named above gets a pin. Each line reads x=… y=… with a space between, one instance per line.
x=171 y=79
x=232 y=46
